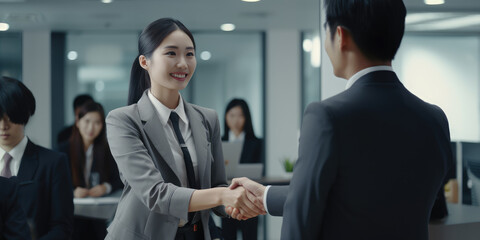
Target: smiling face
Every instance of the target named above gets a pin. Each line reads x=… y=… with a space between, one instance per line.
x=10 y=133
x=173 y=62
x=90 y=126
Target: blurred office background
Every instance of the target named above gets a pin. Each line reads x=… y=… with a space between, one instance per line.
x=272 y=57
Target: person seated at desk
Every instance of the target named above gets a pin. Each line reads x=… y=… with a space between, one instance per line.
x=79 y=100
x=94 y=171
x=44 y=182
x=238 y=127
x=13 y=223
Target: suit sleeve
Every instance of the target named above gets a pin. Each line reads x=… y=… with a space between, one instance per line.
x=139 y=171
x=14 y=220
x=218 y=177
x=61 y=202
x=313 y=176
x=276 y=197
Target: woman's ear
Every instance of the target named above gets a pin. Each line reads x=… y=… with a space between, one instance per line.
x=143 y=62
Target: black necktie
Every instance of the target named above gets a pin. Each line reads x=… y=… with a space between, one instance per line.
x=192 y=216
x=186 y=155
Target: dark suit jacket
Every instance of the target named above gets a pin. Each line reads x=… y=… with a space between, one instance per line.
x=372 y=160
x=64 y=134
x=45 y=192
x=251 y=150
x=13 y=223
x=111 y=174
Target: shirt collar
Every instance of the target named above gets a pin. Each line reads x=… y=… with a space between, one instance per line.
x=233 y=138
x=17 y=151
x=163 y=111
x=364 y=72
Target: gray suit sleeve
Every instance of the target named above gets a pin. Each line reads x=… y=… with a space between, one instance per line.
x=139 y=171
x=313 y=176
x=276 y=197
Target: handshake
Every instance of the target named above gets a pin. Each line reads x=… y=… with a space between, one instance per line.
x=245 y=199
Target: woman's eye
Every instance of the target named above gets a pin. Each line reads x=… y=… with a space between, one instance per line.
x=170 y=53
x=190 y=54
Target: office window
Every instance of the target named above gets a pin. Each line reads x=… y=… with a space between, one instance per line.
x=98 y=64
x=311 y=50
x=11 y=54
x=232 y=68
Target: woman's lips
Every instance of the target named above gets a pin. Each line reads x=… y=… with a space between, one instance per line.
x=179 y=76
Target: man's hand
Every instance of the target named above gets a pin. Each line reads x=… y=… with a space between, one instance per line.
x=238 y=199
x=255 y=193
x=80 y=192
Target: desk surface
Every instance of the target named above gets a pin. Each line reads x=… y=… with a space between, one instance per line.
x=459 y=214
x=100 y=208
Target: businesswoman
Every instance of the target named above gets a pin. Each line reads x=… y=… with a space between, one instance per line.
x=238 y=128
x=94 y=172
x=168 y=151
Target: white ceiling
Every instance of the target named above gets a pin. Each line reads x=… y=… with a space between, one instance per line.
x=196 y=14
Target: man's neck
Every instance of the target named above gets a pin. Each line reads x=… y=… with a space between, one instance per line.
x=356 y=64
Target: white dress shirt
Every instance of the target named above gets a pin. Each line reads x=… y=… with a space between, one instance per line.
x=364 y=72
x=163 y=113
x=17 y=154
x=233 y=138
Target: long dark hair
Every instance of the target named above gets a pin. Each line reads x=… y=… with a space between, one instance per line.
x=101 y=150
x=150 y=38
x=247 y=127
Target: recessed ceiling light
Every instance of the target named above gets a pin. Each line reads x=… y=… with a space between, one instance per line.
x=205 y=55
x=251 y=0
x=4 y=26
x=307 y=45
x=434 y=2
x=72 y=55
x=227 y=27
x=107 y=1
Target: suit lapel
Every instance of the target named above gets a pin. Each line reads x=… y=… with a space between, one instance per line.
x=197 y=125
x=29 y=163
x=154 y=130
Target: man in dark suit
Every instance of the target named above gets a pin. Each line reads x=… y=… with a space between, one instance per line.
x=13 y=223
x=373 y=158
x=44 y=182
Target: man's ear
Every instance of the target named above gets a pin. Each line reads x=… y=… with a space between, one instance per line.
x=143 y=62
x=343 y=37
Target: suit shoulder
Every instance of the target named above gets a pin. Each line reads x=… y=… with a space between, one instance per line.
x=209 y=113
x=48 y=153
x=123 y=112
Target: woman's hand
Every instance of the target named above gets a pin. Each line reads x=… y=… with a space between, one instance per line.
x=97 y=191
x=80 y=192
x=237 y=198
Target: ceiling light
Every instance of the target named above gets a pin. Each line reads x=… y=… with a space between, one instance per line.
x=107 y=1
x=414 y=18
x=227 y=27
x=99 y=86
x=251 y=0
x=307 y=45
x=72 y=55
x=434 y=2
x=452 y=23
x=4 y=26
x=205 y=55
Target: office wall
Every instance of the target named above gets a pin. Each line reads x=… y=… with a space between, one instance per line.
x=36 y=76
x=444 y=70
x=282 y=106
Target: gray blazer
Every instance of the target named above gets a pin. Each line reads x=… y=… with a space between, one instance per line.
x=152 y=202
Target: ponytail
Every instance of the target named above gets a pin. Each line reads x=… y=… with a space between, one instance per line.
x=139 y=82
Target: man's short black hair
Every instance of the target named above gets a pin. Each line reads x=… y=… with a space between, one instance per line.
x=80 y=100
x=376 y=26
x=16 y=101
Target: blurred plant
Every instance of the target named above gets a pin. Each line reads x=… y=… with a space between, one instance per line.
x=288 y=164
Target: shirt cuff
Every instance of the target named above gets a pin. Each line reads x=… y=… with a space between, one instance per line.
x=108 y=187
x=265 y=198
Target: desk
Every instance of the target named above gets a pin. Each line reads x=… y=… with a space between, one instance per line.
x=462 y=222
x=100 y=208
